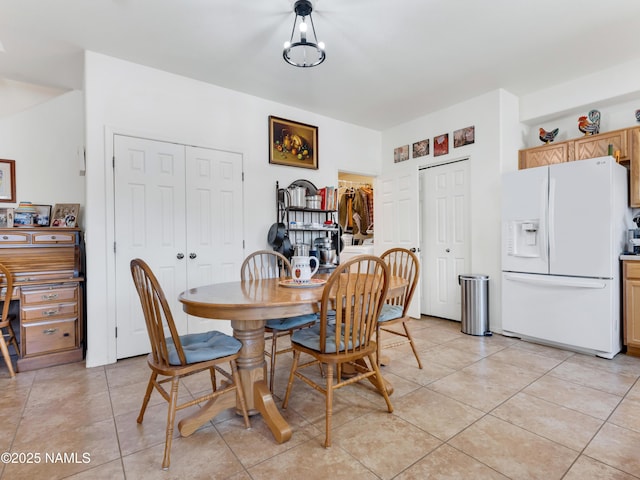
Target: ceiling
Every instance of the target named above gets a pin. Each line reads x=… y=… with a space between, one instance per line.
x=388 y=61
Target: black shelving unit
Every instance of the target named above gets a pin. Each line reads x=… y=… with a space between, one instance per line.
x=305 y=225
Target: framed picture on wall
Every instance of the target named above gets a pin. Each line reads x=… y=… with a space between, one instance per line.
x=8 y=181
x=421 y=148
x=293 y=144
x=441 y=145
x=464 y=136
x=400 y=154
x=65 y=215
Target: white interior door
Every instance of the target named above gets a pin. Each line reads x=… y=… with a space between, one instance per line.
x=445 y=230
x=396 y=216
x=179 y=208
x=149 y=182
x=214 y=223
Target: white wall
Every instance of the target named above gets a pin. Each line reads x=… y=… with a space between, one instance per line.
x=47 y=143
x=128 y=98
x=489 y=155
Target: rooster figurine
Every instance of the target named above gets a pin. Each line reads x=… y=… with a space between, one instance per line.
x=590 y=125
x=547 y=137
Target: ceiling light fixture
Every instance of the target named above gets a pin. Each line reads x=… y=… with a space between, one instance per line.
x=307 y=52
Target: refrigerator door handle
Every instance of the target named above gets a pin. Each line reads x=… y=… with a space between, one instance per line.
x=550 y=281
x=551 y=220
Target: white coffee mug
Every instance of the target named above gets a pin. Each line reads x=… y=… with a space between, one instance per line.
x=301 y=269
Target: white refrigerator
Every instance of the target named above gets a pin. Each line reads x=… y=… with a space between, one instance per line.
x=563 y=229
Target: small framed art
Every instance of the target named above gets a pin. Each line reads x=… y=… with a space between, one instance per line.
x=441 y=145
x=65 y=215
x=464 y=136
x=8 y=181
x=400 y=154
x=42 y=216
x=421 y=148
x=292 y=143
x=6 y=217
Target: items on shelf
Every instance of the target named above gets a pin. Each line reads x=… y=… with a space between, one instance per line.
x=548 y=137
x=590 y=125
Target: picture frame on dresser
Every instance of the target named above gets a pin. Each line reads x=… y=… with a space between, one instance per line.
x=42 y=217
x=6 y=217
x=7 y=181
x=65 y=215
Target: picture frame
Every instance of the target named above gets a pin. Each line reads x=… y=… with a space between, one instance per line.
x=65 y=215
x=400 y=154
x=22 y=219
x=421 y=148
x=441 y=145
x=464 y=136
x=42 y=217
x=6 y=217
x=293 y=144
x=7 y=181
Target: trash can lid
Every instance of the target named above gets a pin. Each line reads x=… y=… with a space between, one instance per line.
x=474 y=277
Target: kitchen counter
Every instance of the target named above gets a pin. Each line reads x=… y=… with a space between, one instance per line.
x=630 y=256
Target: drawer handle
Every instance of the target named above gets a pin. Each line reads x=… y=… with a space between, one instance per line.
x=49 y=331
x=4 y=237
x=53 y=237
x=48 y=313
x=50 y=296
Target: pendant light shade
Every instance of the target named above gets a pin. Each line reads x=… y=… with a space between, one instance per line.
x=303 y=48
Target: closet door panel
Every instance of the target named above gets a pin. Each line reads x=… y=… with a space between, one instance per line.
x=214 y=222
x=149 y=183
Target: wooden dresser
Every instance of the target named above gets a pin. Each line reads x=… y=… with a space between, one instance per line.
x=47 y=264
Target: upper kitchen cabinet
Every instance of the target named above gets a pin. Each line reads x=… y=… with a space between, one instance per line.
x=544 y=155
x=593 y=146
x=634 y=167
x=626 y=140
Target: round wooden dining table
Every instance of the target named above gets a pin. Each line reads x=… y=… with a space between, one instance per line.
x=249 y=304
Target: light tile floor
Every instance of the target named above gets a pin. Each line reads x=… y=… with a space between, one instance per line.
x=481 y=408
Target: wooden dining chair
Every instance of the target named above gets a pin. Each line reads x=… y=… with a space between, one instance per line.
x=178 y=356
x=351 y=303
x=7 y=335
x=271 y=264
x=402 y=263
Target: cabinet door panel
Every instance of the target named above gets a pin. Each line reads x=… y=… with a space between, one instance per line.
x=634 y=167
x=546 y=155
x=598 y=145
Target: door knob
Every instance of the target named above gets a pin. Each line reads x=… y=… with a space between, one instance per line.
x=413 y=250
x=180 y=256
x=447 y=250
x=192 y=256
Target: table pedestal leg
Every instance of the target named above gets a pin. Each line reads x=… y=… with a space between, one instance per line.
x=256 y=392
x=251 y=370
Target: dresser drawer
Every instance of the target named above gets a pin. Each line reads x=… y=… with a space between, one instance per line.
x=37 y=295
x=49 y=336
x=17 y=238
x=49 y=312
x=54 y=238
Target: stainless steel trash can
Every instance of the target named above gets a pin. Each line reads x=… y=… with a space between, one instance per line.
x=475 y=304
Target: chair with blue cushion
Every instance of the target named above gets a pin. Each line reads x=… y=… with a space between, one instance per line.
x=9 y=337
x=402 y=263
x=178 y=356
x=351 y=302
x=271 y=264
